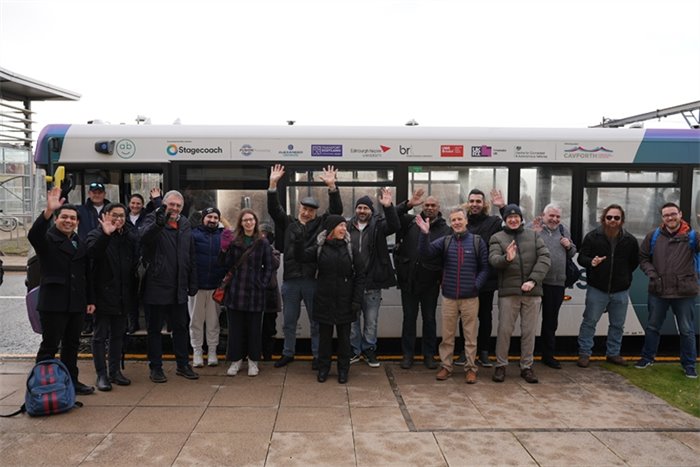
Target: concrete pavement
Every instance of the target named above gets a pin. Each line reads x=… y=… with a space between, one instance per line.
x=383 y=416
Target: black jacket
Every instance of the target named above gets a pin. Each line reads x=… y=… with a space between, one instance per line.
x=340 y=279
x=88 y=217
x=172 y=274
x=414 y=273
x=65 y=279
x=485 y=226
x=114 y=258
x=371 y=243
x=615 y=273
x=292 y=228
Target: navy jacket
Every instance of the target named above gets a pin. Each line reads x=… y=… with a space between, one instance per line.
x=207 y=244
x=88 y=218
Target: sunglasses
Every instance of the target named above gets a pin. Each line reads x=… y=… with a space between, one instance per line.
x=610 y=218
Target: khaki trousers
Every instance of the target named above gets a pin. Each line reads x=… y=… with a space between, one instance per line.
x=452 y=310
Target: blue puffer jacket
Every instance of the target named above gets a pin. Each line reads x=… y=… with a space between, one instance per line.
x=207 y=244
x=464 y=271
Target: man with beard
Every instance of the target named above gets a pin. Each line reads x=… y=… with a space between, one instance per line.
x=484 y=225
x=368 y=232
x=667 y=257
x=419 y=278
x=204 y=312
x=610 y=255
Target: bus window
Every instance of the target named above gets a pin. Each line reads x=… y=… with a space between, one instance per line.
x=694 y=215
x=640 y=193
x=541 y=186
x=229 y=202
x=451 y=185
x=641 y=205
x=109 y=178
x=140 y=183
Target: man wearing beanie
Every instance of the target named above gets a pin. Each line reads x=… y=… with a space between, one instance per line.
x=522 y=261
x=368 y=232
x=204 y=312
x=299 y=279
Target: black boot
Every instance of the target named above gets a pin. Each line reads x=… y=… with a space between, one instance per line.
x=342 y=376
x=119 y=379
x=322 y=376
x=103 y=383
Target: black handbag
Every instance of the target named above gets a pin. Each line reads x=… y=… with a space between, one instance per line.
x=573 y=273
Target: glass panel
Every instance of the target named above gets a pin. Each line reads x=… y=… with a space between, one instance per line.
x=694 y=217
x=141 y=183
x=110 y=179
x=600 y=176
x=218 y=173
x=541 y=186
x=641 y=206
x=379 y=175
x=451 y=185
x=229 y=202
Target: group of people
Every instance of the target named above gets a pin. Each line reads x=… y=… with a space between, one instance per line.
x=338 y=267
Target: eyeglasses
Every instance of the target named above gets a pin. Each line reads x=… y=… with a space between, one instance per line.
x=249 y=219
x=611 y=218
x=673 y=214
x=117 y=216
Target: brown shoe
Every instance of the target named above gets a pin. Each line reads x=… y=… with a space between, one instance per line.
x=616 y=360
x=471 y=377
x=443 y=374
x=584 y=361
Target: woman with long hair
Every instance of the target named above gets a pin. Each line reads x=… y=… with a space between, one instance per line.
x=248 y=256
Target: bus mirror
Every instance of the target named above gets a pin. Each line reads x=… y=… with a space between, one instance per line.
x=105 y=147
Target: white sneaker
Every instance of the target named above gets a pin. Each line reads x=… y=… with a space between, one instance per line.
x=253 y=368
x=211 y=359
x=197 y=359
x=233 y=369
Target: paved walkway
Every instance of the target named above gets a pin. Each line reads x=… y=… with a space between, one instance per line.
x=384 y=416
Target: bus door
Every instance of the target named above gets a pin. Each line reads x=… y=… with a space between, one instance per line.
x=641 y=193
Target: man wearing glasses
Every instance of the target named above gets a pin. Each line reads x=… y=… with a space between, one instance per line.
x=667 y=257
x=610 y=255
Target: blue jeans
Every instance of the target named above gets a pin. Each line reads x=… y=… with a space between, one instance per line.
x=597 y=302
x=293 y=292
x=683 y=308
x=365 y=337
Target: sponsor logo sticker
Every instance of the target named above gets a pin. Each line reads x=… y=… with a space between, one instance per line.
x=327 y=150
x=451 y=150
x=125 y=148
x=482 y=151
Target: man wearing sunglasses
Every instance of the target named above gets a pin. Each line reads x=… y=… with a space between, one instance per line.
x=610 y=255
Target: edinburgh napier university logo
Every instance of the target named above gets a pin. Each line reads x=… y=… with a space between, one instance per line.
x=451 y=150
x=326 y=150
x=482 y=151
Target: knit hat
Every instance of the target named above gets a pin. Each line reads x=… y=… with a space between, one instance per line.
x=332 y=222
x=309 y=202
x=367 y=201
x=512 y=209
x=207 y=211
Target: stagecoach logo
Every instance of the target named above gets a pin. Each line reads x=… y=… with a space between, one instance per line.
x=451 y=150
x=370 y=152
x=577 y=151
x=174 y=150
x=327 y=150
x=125 y=148
x=482 y=151
x=290 y=151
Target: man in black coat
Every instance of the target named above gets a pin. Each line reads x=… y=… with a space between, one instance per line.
x=171 y=277
x=65 y=292
x=419 y=278
x=114 y=251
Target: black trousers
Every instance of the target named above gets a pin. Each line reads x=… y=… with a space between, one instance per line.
x=427 y=302
x=269 y=331
x=325 y=346
x=244 y=335
x=177 y=315
x=552 y=298
x=114 y=328
x=61 y=328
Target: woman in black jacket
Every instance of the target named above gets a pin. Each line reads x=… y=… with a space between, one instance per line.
x=114 y=251
x=340 y=284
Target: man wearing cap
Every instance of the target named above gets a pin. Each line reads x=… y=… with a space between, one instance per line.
x=368 y=232
x=204 y=312
x=89 y=214
x=522 y=260
x=610 y=255
x=299 y=281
